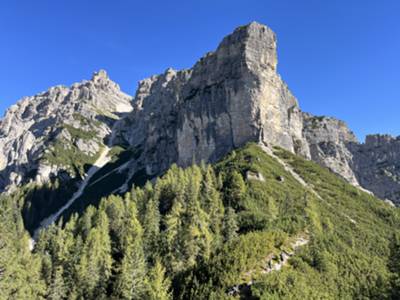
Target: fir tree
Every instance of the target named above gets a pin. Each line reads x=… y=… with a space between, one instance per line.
x=95 y=264
x=151 y=224
x=159 y=284
x=235 y=190
x=131 y=276
x=212 y=202
x=57 y=288
x=230 y=226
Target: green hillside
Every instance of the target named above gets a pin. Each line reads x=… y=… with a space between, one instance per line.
x=252 y=226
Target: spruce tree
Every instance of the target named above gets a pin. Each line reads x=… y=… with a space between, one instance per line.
x=57 y=288
x=131 y=277
x=230 y=226
x=151 y=224
x=94 y=269
x=212 y=203
x=235 y=190
x=159 y=284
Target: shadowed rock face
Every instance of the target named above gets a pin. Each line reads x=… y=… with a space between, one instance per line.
x=377 y=166
x=78 y=117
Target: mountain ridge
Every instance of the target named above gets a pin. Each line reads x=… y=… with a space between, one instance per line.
x=230 y=97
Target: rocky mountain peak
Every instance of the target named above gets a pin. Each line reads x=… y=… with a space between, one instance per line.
x=100 y=75
x=102 y=80
x=31 y=128
x=256 y=42
x=230 y=97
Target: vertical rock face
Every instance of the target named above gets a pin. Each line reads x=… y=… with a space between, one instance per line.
x=233 y=96
x=230 y=97
x=41 y=135
x=377 y=166
x=329 y=140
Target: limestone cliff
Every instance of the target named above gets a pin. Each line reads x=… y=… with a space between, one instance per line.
x=329 y=140
x=230 y=97
x=376 y=164
x=58 y=131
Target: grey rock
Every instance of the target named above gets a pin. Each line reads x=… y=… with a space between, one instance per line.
x=329 y=140
x=233 y=96
x=254 y=176
x=230 y=97
x=377 y=166
x=31 y=127
x=373 y=165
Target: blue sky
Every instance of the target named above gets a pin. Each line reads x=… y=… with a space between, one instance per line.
x=340 y=58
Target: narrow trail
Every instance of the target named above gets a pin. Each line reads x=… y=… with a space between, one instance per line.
x=271 y=263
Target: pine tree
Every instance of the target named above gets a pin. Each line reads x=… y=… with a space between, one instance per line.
x=159 y=284
x=86 y=222
x=196 y=237
x=131 y=273
x=131 y=278
x=57 y=288
x=20 y=276
x=212 y=202
x=171 y=247
x=235 y=190
x=115 y=209
x=94 y=269
x=394 y=266
x=230 y=226
x=151 y=224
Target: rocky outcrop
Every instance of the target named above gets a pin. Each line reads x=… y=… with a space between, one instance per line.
x=230 y=97
x=329 y=140
x=56 y=130
x=373 y=165
x=376 y=164
x=233 y=96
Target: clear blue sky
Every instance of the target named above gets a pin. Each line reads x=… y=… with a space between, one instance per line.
x=339 y=57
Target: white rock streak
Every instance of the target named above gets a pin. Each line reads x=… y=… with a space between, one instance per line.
x=100 y=162
x=103 y=159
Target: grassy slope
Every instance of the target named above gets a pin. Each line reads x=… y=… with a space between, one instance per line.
x=349 y=232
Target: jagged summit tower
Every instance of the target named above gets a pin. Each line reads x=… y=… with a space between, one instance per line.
x=230 y=97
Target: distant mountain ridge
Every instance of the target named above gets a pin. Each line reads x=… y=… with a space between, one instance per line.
x=230 y=97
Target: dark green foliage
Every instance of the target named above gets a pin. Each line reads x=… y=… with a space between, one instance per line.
x=40 y=201
x=230 y=226
x=394 y=266
x=20 y=276
x=199 y=233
